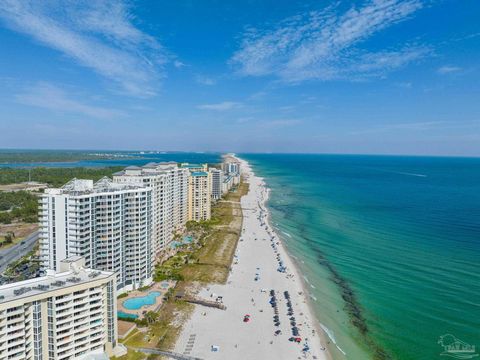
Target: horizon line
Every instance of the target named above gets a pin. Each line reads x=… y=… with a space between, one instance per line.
x=243 y=152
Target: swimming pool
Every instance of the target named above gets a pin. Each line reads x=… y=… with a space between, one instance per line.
x=137 y=302
x=124 y=315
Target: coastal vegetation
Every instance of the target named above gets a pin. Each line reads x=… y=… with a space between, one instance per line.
x=18 y=206
x=161 y=332
x=54 y=177
x=24 y=268
x=28 y=156
x=209 y=259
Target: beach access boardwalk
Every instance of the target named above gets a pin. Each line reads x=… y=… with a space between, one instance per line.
x=213 y=304
x=170 y=354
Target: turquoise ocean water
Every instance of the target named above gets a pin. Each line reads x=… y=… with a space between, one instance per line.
x=389 y=247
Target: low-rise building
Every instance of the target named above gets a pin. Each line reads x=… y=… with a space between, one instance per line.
x=66 y=314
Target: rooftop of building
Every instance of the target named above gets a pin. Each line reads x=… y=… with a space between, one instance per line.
x=84 y=187
x=187 y=165
x=152 y=168
x=72 y=273
x=199 y=173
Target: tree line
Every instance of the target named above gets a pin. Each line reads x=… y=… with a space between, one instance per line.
x=54 y=177
x=23 y=205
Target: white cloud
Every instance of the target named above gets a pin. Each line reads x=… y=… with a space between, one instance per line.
x=448 y=69
x=99 y=35
x=178 y=64
x=205 y=80
x=223 y=106
x=51 y=97
x=324 y=45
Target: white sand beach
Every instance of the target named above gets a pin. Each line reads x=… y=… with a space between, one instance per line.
x=255 y=272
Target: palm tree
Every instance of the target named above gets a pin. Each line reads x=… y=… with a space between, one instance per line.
x=151 y=317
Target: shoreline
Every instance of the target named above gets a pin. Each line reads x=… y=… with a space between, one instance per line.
x=254 y=274
x=324 y=337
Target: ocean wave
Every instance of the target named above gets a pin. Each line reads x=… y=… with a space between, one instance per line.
x=287 y=234
x=332 y=338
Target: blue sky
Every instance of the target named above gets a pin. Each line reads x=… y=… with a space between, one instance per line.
x=378 y=76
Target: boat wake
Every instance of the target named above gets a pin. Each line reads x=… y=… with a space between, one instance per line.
x=410 y=174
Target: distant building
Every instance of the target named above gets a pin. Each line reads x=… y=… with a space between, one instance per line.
x=195 y=167
x=217 y=183
x=169 y=184
x=107 y=223
x=230 y=181
x=199 y=195
x=231 y=167
x=227 y=183
x=67 y=314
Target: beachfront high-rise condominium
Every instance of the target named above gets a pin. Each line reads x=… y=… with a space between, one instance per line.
x=230 y=181
x=194 y=167
x=231 y=167
x=217 y=183
x=169 y=184
x=107 y=223
x=199 y=195
x=66 y=314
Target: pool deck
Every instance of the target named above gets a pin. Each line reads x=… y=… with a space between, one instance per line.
x=125 y=328
x=136 y=293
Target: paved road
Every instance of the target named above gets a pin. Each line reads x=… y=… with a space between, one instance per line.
x=15 y=252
